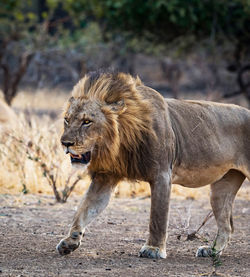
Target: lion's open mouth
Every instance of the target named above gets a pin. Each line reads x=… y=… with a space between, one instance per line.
x=84 y=158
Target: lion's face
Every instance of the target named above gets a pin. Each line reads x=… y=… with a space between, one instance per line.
x=83 y=126
x=107 y=125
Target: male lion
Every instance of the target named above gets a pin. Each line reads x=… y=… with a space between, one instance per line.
x=118 y=128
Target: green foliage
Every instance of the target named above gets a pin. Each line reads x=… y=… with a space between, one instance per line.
x=16 y=17
x=81 y=38
x=164 y=20
x=142 y=25
x=153 y=20
x=216 y=258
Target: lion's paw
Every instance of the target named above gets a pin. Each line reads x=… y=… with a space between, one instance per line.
x=152 y=252
x=68 y=245
x=204 y=251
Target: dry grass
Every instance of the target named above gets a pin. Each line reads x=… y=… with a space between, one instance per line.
x=25 y=151
x=31 y=154
x=41 y=99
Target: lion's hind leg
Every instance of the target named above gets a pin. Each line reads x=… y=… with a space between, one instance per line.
x=223 y=193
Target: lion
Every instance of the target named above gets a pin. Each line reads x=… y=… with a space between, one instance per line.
x=115 y=127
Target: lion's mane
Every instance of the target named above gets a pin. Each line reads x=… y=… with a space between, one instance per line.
x=127 y=142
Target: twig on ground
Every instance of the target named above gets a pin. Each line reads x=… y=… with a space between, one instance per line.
x=193 y=234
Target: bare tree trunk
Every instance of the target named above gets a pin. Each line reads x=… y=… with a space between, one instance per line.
x=11 y=83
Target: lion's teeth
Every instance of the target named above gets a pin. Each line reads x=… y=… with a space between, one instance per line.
x=75 y=156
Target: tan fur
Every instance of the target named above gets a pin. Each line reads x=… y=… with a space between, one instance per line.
x=136 y=134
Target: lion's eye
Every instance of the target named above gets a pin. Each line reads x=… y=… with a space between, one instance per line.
x=86 y=122
x=66 y=121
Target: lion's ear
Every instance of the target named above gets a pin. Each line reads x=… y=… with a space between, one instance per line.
x=118 y=107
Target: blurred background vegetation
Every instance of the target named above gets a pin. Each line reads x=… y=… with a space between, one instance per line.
x=174 y=46
x=184 y=49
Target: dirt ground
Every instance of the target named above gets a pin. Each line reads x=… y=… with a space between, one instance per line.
x=31 y=229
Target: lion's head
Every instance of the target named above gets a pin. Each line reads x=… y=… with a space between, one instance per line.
x=108 y=124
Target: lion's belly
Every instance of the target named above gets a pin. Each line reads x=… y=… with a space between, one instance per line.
x=198 y=177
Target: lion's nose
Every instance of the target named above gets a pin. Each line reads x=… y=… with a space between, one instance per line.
x=67 y=143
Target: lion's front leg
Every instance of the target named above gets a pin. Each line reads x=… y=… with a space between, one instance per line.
x=94 y=202
x=155 y=246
